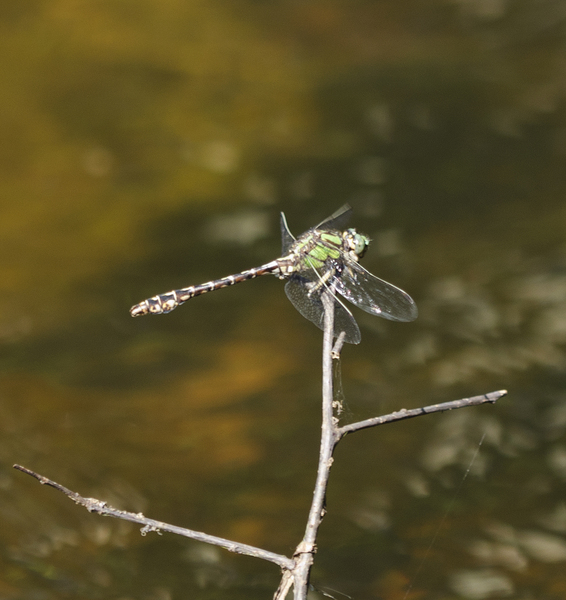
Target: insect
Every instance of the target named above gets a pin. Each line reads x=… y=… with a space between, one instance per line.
x=325 y=257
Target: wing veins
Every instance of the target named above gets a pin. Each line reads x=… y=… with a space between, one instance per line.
x=374 y=295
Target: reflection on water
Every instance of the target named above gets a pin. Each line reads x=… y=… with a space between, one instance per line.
x=152 y=147
x=525 y=330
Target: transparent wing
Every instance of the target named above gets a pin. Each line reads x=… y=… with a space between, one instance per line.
x=311 y=307
x=287 y=237
x=337 y=220
x=375 y=296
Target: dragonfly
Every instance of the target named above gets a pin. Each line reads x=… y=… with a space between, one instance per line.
x=323 y=259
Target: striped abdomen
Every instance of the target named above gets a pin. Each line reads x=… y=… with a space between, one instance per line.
x=165 y=303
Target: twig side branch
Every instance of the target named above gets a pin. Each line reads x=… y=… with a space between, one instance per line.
x=398 y=415
x=151 y=525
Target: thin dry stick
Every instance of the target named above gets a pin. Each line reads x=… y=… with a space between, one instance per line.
x=399 y=415
x=307 y=548
x=331 y=435
x=296 y=570
x=102 y=508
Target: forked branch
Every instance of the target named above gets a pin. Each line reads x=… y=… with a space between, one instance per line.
x=296 y=569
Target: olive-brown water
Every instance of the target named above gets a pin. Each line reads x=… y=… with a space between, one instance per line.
x=150 y=145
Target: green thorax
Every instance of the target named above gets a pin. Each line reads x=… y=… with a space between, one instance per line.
x=317 y=248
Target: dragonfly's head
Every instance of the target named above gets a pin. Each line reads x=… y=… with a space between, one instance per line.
x=356 y=243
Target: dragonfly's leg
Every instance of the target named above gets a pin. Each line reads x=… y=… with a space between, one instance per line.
x=322 y=280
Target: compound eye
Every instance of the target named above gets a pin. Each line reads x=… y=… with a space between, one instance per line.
x=357 y=242
x=361 y=243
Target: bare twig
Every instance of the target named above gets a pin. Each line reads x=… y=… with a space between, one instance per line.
x=296 y=570
x=398 y=415
x=102 y=508
x=307 y=548
x=284 y=585
x=337 y=348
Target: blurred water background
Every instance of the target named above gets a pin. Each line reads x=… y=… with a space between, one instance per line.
x=150 y=144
